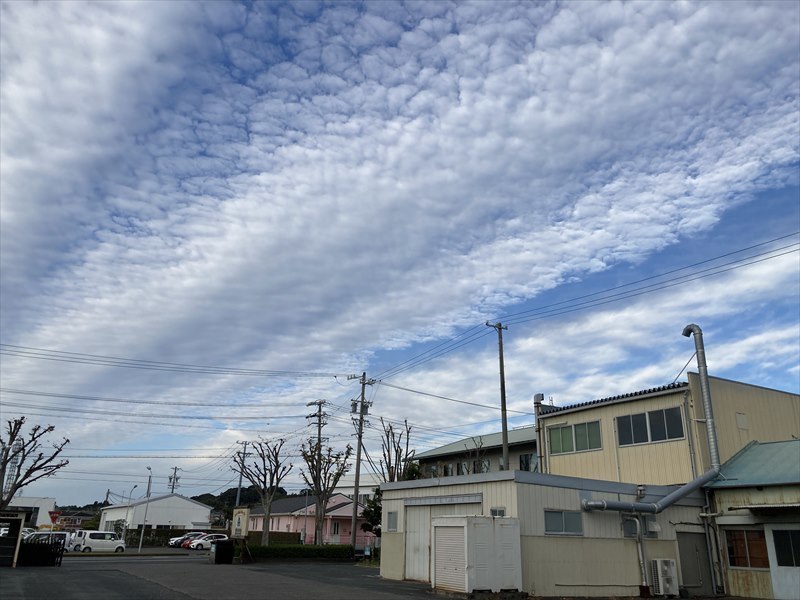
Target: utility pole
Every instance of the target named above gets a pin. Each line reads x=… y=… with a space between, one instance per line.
x=499 y=327
x=146 y=506
x=243 y=455
x=173 y=479
x=320 y=416
x=362 y=410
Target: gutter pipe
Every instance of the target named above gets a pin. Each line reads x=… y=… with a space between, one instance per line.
x=710 y=475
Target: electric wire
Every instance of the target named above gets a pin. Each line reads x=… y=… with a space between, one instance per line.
x=541 y=312
x=133 y=363
x=151 y=402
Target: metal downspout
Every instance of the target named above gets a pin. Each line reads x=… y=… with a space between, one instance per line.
x=540 y=447
x=712 y=564
x=710 y=475
x=690 y=431
x=640 y=550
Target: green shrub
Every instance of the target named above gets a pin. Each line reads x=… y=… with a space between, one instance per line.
x=275 y=537
x=327 y=552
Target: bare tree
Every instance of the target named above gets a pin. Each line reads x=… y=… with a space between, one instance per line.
x=266 y=471
x=325 y=468
x=473 y=455
x=23 y=460
x=397 y=461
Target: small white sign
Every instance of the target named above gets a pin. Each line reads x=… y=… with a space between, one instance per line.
x=241 y=517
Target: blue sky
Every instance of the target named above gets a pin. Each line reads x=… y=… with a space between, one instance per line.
x=338 y=188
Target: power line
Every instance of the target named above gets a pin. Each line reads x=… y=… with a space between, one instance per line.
x=682 y=280
x=133 y=363
x=148 y=415
x=488 y=406
x=127 y=401
x=475 y=333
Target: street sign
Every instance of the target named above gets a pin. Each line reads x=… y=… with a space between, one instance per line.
x=54 y=514
x=240 y=523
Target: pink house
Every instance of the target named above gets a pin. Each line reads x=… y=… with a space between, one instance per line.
x=296 y=514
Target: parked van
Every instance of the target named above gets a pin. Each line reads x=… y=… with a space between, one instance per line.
x=97 y=541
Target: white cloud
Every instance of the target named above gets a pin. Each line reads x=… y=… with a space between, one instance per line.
x=304 y=187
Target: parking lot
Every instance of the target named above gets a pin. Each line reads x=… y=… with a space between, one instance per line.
x=179 y=577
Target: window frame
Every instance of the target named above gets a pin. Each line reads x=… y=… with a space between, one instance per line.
x=481 y=465
x=632 y=426
x=391 y=516
x=563 y=528
x=529 y=462
x=573 y=437
x=792 y=544
x=746 y=539
x=647 y=531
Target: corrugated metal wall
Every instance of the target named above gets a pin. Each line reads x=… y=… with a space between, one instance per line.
x=660 y=463
x=763 y=414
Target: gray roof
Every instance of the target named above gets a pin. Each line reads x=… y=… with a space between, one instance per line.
x=523 y=435
x=547 y=409
x=156 y=499
x=286 y=505
x=761 y=464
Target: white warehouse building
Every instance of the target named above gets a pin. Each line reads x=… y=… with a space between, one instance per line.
x=171 y=511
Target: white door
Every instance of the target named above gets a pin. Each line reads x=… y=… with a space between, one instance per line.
x=418 y=542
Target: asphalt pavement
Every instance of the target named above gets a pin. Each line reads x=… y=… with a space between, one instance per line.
x=192 y=577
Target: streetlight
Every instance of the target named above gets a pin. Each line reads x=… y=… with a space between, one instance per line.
x=128 y=511
x=146 y=505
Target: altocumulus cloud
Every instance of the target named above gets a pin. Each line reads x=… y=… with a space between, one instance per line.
x=303 y=185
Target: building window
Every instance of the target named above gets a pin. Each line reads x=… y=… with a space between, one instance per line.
x=563 y=522
x=572 y=438
x=391 y=520
x=462 y=468
x=335 y=528
x=528 y=462
x=448 y=470
x=498 y=511
x=652 y=426
x=747 y=548
x=787 y=547
x=432 y=470
x=649 y=527
x=481 y=465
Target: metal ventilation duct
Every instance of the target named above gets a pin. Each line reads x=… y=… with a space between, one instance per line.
x=685 y=490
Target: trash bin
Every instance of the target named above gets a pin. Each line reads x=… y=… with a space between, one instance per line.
x=222 y=552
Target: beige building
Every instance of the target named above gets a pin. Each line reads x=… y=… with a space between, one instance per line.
x=631 y=449
x=564 y=550
x=658 y=436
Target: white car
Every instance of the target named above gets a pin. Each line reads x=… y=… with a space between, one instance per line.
x=99 y=541
x=204 y=543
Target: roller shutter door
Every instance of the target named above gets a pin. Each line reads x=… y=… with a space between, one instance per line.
x=450 y=560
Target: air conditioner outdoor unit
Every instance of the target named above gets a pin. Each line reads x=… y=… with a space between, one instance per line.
x=665 y=577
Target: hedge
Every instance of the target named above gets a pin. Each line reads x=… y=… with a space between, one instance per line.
x=327 y=552
x=275 y=537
